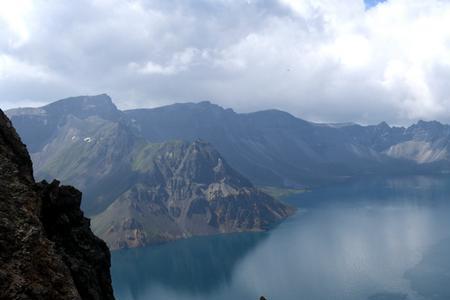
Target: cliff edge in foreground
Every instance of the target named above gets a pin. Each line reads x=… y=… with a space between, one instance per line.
x=47 y=250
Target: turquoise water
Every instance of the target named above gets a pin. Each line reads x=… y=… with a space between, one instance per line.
x=377 y=239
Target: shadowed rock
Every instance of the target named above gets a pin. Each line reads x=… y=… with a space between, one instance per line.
x=47 y=250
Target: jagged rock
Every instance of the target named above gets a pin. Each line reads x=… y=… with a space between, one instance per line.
x=181 y=190
x=47 y=250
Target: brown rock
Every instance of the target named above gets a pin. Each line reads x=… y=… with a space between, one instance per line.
x=47 y=250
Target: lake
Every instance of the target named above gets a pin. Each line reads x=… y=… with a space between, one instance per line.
x=372 y=239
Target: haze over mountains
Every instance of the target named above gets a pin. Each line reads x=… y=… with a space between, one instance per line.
x=275 y=148
x=180 y=165
x=269 y=147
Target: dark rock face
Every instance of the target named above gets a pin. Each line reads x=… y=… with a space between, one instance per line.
x=87 y=256
x=47 y=250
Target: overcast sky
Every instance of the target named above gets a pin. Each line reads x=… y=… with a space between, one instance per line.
x=322 y=60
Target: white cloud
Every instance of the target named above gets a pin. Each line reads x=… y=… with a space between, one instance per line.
x=320 y=59
x=10 y=67
x=179 y=62
x=13 y=16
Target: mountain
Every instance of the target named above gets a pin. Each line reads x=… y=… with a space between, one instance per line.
x=94 y=155
x=137 y=192
x=183 y=190
x=37 y=126
x=271 y=148
x=424 y=142
x=275 y=148
x=47 y=250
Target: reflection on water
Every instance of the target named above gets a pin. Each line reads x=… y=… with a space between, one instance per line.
x=194 y=266
x=353 y=241
x=388 y=296
x=431 y=277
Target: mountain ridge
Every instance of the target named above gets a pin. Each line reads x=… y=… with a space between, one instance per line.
x=342 y=150
x=273 y=147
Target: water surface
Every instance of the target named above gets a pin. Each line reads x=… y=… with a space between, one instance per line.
x=374 y=239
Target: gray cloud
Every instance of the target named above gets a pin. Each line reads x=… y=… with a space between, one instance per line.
x=322 y=60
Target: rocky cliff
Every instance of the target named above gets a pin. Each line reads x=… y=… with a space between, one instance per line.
x=181 y=190
x=47 y=250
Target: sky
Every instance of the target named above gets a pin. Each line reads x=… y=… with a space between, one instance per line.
x=321 y=60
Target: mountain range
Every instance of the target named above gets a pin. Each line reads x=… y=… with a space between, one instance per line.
x=273 y=147
x=139 y=192
x=151 y=175
x=269 y=147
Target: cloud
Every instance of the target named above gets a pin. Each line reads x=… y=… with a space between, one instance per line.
x=179 y=62
x=322 y=60
x=13 y=18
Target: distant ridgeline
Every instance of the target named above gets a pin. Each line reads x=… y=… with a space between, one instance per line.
x=151 y=175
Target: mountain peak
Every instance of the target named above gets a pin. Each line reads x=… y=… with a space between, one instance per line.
x=208 y=105
x=205 y=103
x=83 y=101
x=85 y=106
x=186 y=188
x=426 y=125
x=383 y=126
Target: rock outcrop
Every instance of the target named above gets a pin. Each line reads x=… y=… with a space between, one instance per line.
x=182 y=190
x=47 y=250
